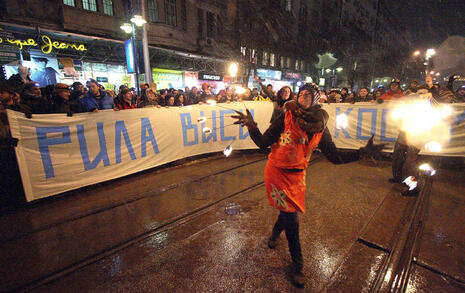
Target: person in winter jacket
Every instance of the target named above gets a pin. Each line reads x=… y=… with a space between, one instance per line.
x=394 y=92
x=124 y=100
x=32 y=97
x=61 y=102
x=95 y=99
x=150 y=99
x=293 y=136
x=284 y=95
x=20 y=79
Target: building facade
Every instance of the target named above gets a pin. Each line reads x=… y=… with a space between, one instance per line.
x=276 y=39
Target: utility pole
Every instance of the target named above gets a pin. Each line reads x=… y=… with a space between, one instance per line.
x=145 y=44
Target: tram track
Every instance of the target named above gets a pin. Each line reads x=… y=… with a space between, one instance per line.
x=178 y=220
x=125 y=202
x=395 y=271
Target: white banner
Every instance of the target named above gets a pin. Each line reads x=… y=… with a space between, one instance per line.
x=366 y=119
x=57 y=153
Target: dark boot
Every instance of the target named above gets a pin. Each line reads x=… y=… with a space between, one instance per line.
x=277 y=229
x=298 y=279
x=398 y=159
x=292 y=235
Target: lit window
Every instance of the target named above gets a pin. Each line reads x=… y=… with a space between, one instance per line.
x=89 y=5
x=153 y=10
x=297 y=64
x=272 y=60
x=108 y=7
x=69 y=2
x=170 y=12
x=289 y=61
x=265 y=58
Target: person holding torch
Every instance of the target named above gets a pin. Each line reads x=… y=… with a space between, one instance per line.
x=293 y=135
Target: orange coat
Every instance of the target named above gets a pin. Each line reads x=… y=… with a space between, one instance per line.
x=287 y=188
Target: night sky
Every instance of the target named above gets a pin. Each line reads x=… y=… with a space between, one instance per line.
x=428 y=23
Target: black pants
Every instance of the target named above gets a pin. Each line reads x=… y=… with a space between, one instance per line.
x=290 y=224
x=404 y=159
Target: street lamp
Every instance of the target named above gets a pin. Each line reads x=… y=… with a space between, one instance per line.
x=233 y=69
x=126 y=27
x=416 y=53
x=328 y=70
x=129 y=28
x=430 y=53
x=339 y=69
x=138 y=20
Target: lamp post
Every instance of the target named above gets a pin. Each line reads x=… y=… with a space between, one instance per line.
x=136 y=20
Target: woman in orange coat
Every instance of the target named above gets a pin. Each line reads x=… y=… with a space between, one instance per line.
x=293 y=136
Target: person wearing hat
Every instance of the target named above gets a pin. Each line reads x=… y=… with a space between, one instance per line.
x=124 y=100
x=61 y=102
x=33 y=97
x=293 y=136
x=413 y=86
x=394 y=92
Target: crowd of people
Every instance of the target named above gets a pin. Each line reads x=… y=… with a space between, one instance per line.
x=22 y=94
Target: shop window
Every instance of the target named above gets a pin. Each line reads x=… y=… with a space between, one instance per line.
x=108 y=7
x=201 y=21
x=183 y=15
x=153 y=10
x=272 y=60
x=89 y=5
x=210 y=25
x=170 y=12
x=69 y=2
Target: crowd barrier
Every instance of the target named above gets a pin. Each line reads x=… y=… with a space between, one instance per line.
x=57 y=153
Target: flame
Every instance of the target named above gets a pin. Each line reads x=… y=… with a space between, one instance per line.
x=446 y=111
x=411 y=182
x=239 y=90
x=342 y=121
x=201 y=120
x=422 y=122
x=206 y=130
x=427 y=169
x=228 y=150
x=433 y=146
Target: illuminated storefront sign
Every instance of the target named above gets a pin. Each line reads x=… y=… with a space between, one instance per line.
x=46 y=46
x=292 y=75
x=207 y=76
x=165 y=78
x=129 y=49
x=269 y=74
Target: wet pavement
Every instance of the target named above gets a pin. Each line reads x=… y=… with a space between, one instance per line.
x=203 y=227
